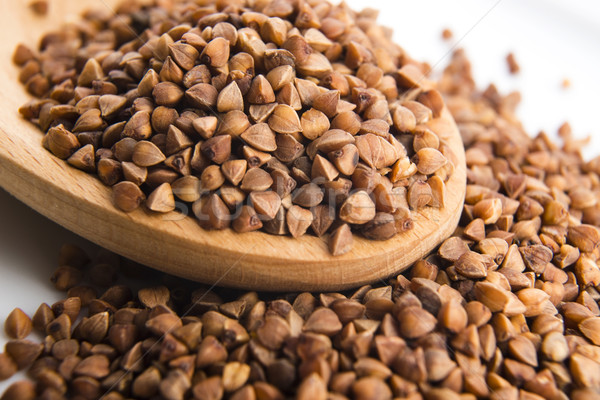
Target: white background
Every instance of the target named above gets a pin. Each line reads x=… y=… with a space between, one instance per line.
x=551 y=39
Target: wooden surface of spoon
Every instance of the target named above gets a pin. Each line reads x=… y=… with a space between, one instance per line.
x=173 y=242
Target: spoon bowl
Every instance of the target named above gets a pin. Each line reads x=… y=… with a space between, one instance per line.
x=174 y=242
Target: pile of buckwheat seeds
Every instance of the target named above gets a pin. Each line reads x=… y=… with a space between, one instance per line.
x=273 y=115
x=506 y=308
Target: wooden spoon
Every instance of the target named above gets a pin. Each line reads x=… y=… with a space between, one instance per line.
x=174 y=243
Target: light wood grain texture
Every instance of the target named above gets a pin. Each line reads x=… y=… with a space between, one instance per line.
x=177 y=244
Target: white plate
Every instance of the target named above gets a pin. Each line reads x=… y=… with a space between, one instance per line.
x=551 y=39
